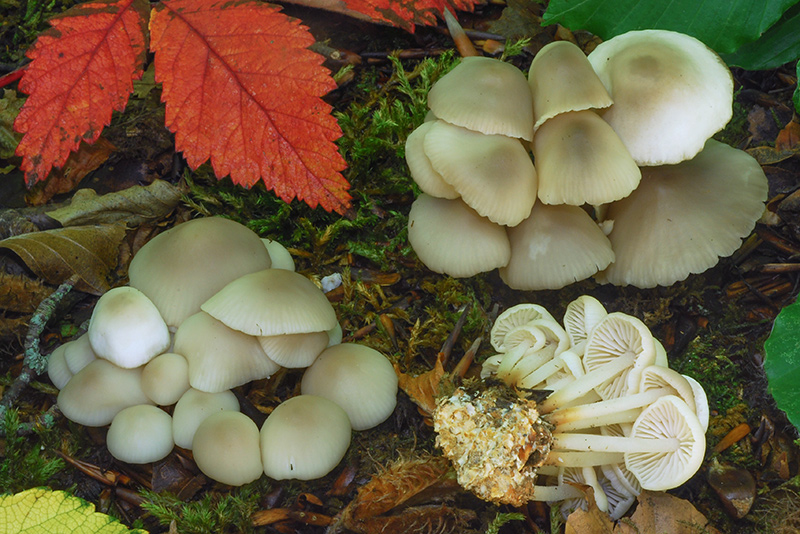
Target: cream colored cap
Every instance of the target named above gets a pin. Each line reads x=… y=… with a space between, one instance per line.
x=493 y=174
x=451 y=238
x=486 y=95
x=428 y=180
x=682 y=218
x=226 y=447
x=554 y=247
x=562 y=80
x=140 y=434
x=581 y=160
x=271 y=302
x=183 y=267
x=671 y=93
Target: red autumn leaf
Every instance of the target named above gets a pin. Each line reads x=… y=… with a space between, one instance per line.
x=406 y=13
x=82 y=70
x=242 y=89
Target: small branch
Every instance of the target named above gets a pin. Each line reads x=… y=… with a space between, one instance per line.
x=11 y=77
x=34 y=363
x=460 y=39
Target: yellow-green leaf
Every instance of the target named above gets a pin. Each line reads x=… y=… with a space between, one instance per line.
x=40 y=511
x=91 y=252
x=134 y=205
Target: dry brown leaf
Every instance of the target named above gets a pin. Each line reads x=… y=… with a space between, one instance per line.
x=54 y=255
x=134 y=206
x=423 y=389
x=88 y=158
x=384 y=503
x=21 y=294
x=767 y=155
x=591 y=521
x=789 y=137
x=666 y=514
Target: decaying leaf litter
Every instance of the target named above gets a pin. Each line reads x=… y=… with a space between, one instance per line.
x=712 y=324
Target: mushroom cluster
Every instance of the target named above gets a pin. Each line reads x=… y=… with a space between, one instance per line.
x=627 y=185
x=210 y=307
x=614 y=418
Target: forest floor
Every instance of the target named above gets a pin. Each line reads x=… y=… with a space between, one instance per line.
x=713 y=325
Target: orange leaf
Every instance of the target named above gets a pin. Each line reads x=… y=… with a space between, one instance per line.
x=406 y=13
x=242 y=89
x=82 y=70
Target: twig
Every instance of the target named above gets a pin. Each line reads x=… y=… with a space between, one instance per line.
x=34 y=363
x=447 y=348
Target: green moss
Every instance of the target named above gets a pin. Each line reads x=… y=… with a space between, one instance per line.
x=26 y=460
x=213 y=513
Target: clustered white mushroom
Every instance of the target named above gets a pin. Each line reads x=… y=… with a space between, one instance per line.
x=623 y=134
x=616 y=418
x=208 y=310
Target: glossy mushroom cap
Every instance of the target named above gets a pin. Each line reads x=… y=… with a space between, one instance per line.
x=554 y=247
x=165 y=378
x=485 y=95
x=358 y=378
x=271 y=302
x=450 y=238
x=419 y=166
x=226 y=448
x=682 y=218
x=493 y=173
x=126 y=328
x=562 y=80
x=294 y=350
x=193 y=408
x=671 y=93
x=184 y=266
x=99 y=391
x=219 y=357
x=581 y=160
x=140 y=434
x=304 y=438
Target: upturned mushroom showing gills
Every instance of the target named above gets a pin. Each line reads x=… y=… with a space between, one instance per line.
x=645 y=420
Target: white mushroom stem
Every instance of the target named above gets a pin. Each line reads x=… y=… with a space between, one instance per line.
x=584 y=384
x=566 y=359
x=583 y=459
x=600 y=443
x=603 y=413
x=556 y=493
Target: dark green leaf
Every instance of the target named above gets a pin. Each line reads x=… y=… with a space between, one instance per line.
x=782 y=362
x=724 y=26
x=796 y=96
x=780 y=44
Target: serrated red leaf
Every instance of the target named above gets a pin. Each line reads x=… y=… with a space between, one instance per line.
x=242 y=89
x=82 y=70
x=407 y=13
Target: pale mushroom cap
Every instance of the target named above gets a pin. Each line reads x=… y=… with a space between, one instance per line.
x=78 y=353
x=618 y=335
x=554 y=247
x=562 y=80
x=193 y=407
x=450 y=238
x=428 y=180
x=304 y=438
x=581 y=160
x=485 y=95
x=671 y=381
x=57 y=368
x=683 y=218
x=668 y=417
x=580 y=318
x=140 y=434
x=165 y=378
x=359 y=379
x=700 y=402
x=671 y=93
x=226 y=448
x=271 y=302
x=294 y=350
x=99 y=392
x=183 y=267
x=512 y=318
x=279 y=255
x=126 y=328
x=219 y=357
x=493 y=174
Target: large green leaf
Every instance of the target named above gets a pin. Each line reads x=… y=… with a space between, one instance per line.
x=796 y=95
x=722 y=25
x=782 y=362
x=779 y=45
